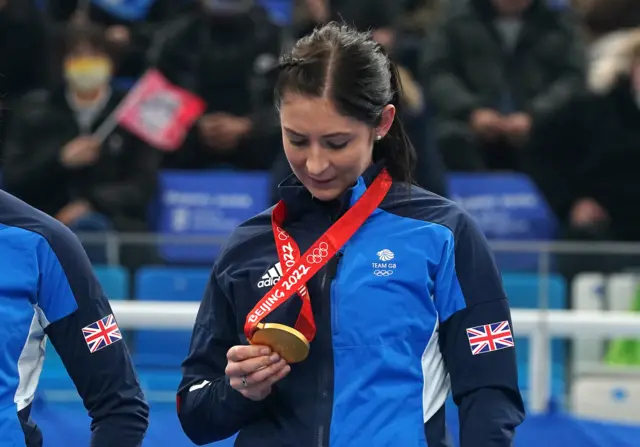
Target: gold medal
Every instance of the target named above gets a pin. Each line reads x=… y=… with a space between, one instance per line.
x=288 y=342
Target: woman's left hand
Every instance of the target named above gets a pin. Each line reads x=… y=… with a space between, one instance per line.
x=252 y=370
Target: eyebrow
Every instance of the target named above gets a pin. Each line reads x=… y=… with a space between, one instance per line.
x=330 y=135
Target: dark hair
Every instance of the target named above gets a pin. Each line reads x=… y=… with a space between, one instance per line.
x=76 y=35
x=357 y=74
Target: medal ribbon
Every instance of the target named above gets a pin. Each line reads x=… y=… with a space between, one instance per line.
x=298 y=270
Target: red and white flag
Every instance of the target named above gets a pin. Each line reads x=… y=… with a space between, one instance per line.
x=159 y=112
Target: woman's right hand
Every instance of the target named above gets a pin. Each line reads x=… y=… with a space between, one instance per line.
x=252 y=370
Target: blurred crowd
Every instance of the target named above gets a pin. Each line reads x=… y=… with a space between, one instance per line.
x=549 y=88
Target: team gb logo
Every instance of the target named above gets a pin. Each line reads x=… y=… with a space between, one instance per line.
x=385 y=255
x=384 y=268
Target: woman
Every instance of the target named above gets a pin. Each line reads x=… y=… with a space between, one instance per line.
x=401 y=313
x=49 y=293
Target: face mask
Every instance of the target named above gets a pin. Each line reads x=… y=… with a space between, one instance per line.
x=227 y=7
x=87 y=73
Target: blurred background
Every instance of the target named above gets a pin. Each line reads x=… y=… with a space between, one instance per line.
x=147 y=127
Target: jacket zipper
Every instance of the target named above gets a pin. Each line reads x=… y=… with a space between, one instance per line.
x=327 y=281
x=324 y=373
x=321 y=436
x=334 y=308
x=331 y=276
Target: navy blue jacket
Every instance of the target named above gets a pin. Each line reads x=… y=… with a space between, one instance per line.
x=392 y=311
x=48 y=290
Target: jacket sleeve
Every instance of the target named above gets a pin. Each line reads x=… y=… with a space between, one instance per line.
x=450 y=97
x=264 y=117
x=208 y=408
x=97 y=359
x=569 y=70
x=484 y=380
x=31 y=161
x=132 y=193
x=558 y=146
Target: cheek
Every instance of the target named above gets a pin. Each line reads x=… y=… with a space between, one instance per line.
x=360 y=154
x=295 y=156
x=353 y=160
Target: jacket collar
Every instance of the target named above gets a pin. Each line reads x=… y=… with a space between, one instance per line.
x=299 y=201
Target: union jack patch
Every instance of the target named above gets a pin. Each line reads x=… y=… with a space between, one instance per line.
x=102 y=333
x=490 y=337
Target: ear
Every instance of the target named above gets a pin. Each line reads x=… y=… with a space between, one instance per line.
x=386 y=120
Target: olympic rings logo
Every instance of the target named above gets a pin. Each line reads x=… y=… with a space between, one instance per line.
x=318 y=254
x=383 y=272
x=282 y=235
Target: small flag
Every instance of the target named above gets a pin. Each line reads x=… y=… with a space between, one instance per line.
x=102 y=333
x=159 y=112
x=490 y=337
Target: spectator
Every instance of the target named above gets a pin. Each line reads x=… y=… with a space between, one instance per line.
x=418 y=16
x=128 y=35
x=608 y=25
x=225 y=52
x=491 y=70
x=609 y=57
x=22 y=48
x=54 y=163
x=602 y=17
x=416 y=19
x=585 y=159
x=22 y=53
x=377 y=15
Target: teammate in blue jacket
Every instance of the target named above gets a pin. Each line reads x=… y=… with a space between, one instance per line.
x=394 y=286
x=48 y=289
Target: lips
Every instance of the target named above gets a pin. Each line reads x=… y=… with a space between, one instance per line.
x=318 y=182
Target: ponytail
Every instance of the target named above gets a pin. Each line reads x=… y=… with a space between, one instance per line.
x=395 y=148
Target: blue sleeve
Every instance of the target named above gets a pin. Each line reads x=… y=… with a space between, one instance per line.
x=208 y=408
x=100 y=366
x=471 y=302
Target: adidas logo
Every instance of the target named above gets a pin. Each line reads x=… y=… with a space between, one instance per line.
x=272 y=276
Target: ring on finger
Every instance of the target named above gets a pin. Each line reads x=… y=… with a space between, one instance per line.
x=244 y=382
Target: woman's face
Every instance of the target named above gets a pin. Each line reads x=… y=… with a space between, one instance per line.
x=87 y=69
x=326 y=150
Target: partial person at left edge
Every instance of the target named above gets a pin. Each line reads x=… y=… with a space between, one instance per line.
x=48 y=290
x=55 y=162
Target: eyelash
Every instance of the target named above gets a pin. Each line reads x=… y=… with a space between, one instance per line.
x=337 y=146
x=302 y=143
x=298 y=143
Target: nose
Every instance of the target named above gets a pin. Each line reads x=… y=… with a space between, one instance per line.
x=317 y=161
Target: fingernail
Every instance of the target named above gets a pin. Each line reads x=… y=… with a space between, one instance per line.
x=274 y=358
x=265 y=351
x=287 y=369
